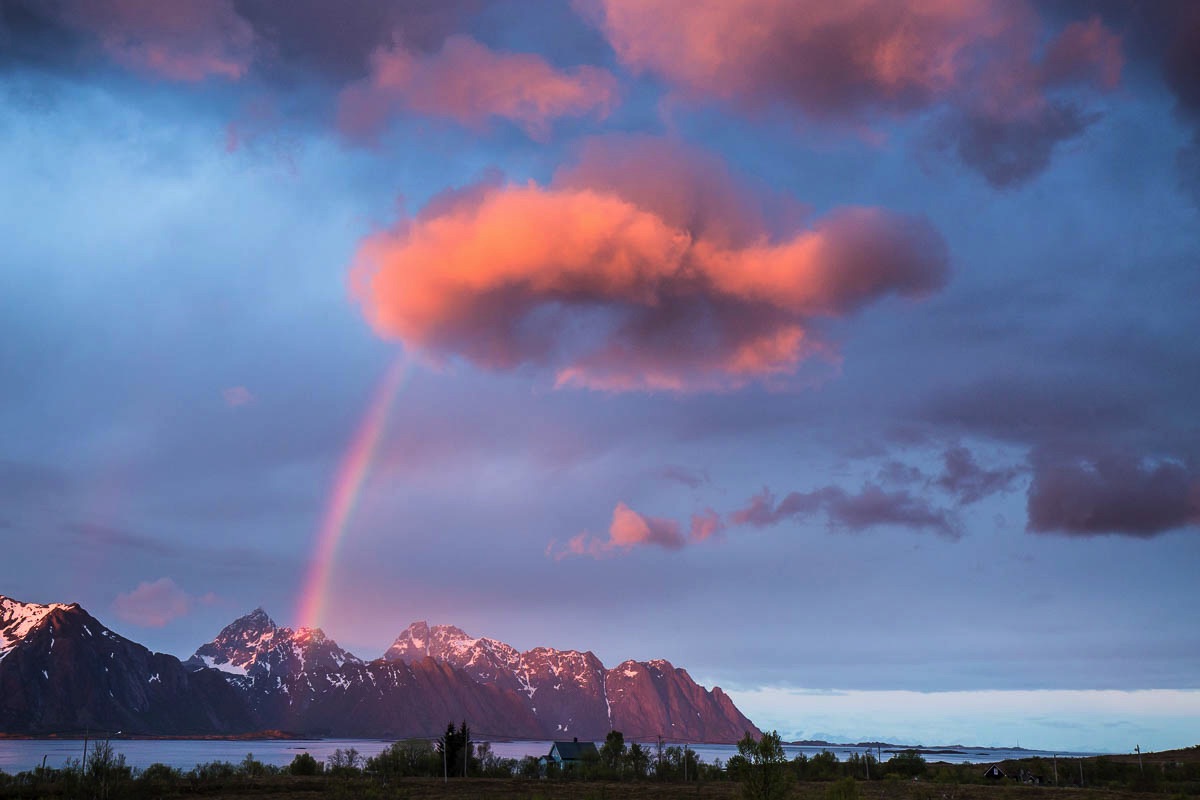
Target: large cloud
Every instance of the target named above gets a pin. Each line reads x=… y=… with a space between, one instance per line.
x=1111 y=493
x=626 y=287
x=470 y=83
x=985 y=60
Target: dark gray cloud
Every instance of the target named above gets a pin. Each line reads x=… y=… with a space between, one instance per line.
x=28 y=481
x=967 y=481
x=1011 y=152
x=92 y=534
x=1111 y=493
x=871 y=507
x=337 y=40
x=691 y=478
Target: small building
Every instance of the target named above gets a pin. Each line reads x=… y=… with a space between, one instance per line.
x=569 y=754
x=994 y=772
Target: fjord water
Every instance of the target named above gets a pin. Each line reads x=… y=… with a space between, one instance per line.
x=23 y=754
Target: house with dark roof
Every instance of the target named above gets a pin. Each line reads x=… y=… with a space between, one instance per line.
x=572 y=753
x=994 y=772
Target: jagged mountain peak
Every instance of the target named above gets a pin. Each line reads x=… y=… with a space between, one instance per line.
x=420 y=639
x=18 y=620
x=62 y=669
x=257 y=622
x=255 y=643
x=311 y=636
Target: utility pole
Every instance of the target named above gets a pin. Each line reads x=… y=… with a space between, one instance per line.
x=466 y=749
x=1139 y=752
x=1056 y=769
x=685 y=751
x=86 y=733
x=867 y=761
x=1081 y=773
x=445 y=769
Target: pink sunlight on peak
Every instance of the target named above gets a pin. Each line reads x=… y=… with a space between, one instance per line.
x=347 y=485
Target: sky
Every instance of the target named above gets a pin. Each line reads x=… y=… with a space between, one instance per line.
x=843 y=354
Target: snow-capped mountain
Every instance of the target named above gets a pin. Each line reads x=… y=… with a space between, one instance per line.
x=301 y=680
x=61 y=670
x=572 y=692
x=255 y=643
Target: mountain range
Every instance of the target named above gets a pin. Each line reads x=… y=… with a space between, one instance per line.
x=63 y=670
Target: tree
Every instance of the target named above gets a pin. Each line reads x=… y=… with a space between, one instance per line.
x=637 y=762
x=763 y=768
x=908 y=763
x=406 y=758
x=106 y=769
x=342 y=762
x=824 y=766
x=304 y=764
x=455 y=747
x=612 y=752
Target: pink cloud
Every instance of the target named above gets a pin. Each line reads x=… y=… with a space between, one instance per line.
x=187 y=41
x=853 y=61
x=628 y=530
x=236 y=396
x=471 y=84
x=1085 y=52
x=625 y=287
x=153 y=604
x=706 y=525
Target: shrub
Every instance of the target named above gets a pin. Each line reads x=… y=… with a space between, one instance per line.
x=845 y=789
x=406 y=758
x=304 y=764
x=213 y=771
x=160 y=773
x=909 y=763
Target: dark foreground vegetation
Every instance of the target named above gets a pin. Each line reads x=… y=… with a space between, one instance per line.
x=455 y=767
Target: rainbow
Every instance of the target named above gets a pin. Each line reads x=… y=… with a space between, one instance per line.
x=347 y=485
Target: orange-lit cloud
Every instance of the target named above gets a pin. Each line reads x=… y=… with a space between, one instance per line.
x=628 y=530
x=853 y=60
x=471 y=84
x=180 y=41
x=621 y=288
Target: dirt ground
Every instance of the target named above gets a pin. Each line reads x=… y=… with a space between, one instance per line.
x=433 y=789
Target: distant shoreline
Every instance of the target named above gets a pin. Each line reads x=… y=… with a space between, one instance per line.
x=117 y=736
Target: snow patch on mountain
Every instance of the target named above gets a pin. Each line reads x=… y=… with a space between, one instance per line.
x=18 y=620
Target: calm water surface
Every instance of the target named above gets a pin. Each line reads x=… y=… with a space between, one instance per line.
x=23 y=754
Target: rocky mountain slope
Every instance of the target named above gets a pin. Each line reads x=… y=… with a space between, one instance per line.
x=301 y=680
x=62 y=670
x=571 y=692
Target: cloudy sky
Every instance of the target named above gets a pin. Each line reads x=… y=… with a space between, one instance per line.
x=845 y=354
